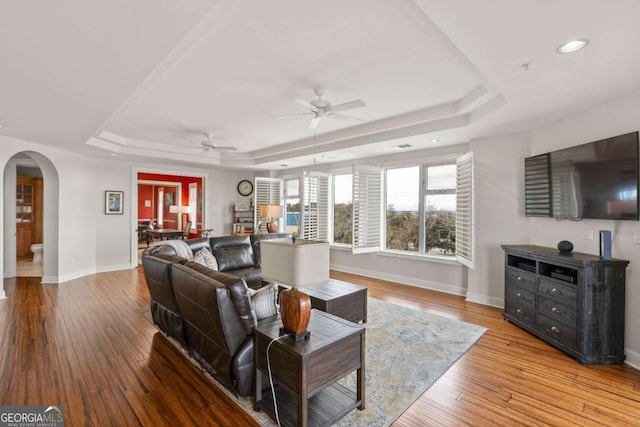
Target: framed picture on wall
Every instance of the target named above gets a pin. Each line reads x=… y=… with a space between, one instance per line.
x=113 y=202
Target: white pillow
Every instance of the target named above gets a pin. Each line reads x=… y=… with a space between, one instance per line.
x=264 y=301
x=206 y=258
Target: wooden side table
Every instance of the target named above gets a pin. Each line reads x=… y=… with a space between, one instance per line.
x=339 y=298
x=306 y=371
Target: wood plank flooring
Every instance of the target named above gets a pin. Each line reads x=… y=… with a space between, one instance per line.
x=85 y=345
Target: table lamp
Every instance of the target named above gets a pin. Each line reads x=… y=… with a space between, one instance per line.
x=271 y=212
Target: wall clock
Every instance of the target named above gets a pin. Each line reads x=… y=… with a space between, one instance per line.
x=245 y=187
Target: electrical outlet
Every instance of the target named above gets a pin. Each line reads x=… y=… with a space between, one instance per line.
x=636 y=238
x=589 y=234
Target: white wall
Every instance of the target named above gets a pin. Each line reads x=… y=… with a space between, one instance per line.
x=614 y=118
x=499 y=217
x=85 y=240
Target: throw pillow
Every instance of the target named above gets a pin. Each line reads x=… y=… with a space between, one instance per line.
x=206 y=258
x=264 y=301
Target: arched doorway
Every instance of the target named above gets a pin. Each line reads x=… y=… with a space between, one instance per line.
x=49 y=218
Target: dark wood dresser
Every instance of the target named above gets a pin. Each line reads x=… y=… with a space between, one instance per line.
x=573 y=301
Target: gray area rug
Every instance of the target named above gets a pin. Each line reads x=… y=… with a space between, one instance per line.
x=407 y=351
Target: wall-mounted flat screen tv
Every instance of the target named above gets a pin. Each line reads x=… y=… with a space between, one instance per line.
x=598 y=180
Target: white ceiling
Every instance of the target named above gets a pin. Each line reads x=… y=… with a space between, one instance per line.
x=146 y=79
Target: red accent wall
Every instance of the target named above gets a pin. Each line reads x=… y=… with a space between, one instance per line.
x=145 y=192
x=184 y=180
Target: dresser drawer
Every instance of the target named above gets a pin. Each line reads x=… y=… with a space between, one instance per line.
x=521 y=278
x=516 y=308
x=565 y=294
x=557 y=330
x=520 y=295
x=556 y=311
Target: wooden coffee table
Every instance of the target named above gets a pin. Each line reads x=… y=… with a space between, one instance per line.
x=305 y=372
x=342 y=299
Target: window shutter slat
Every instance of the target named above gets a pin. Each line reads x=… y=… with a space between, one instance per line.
x=367 y=208
x=465 y=211
x=315 y=206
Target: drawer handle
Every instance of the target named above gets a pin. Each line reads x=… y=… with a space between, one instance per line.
x=555 y=310
x=556 y=291
x=519 y=295
x=554 y=329
x=519 y=279
x=519 y=311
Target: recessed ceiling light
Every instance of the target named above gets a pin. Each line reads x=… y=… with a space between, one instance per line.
x=113 y=154
x=404 y=146
x=283 y=165
x=572 y=46
x=435 y=140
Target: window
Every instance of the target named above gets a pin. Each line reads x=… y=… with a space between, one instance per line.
x=342 y=208
x=292 y=205
x=440 y=210
x=403 y=213
x=421 y=209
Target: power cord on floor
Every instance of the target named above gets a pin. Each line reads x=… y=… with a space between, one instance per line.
x=273 y=391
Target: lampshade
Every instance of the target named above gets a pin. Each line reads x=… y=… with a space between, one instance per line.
x=183 y=209
x=270 y=211
x=173 y=209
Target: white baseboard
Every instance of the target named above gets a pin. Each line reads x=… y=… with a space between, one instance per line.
x=49 y=279
x=485 y=300
x=2 y=294
x=633 y=358
x=115 y=267
x=405 y=280
x=76 y=275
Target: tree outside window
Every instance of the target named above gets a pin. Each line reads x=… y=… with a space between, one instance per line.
x=440 y=210
x=403 y=214
x=342 y=209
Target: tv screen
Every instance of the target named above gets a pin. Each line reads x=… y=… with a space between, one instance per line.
x=598 y=180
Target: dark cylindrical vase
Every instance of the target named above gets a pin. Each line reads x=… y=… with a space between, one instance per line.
x=295 y=307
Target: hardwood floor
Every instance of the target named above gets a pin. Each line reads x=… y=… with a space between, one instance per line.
x=85 y=345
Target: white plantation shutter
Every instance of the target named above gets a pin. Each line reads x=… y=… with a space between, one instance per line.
x=268 y=191
x=315 y=206
x=367 y=208
x=465 y=211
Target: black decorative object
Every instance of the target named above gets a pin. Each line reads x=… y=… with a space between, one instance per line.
x=565 y=246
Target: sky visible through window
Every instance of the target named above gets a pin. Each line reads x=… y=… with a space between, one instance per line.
x=403 y=187
x=342 y=189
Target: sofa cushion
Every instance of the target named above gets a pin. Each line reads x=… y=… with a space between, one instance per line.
x=198 y=243
x=232 y=252
x=264 y=301
x=237 y=290
x=206 y=258
x=251 y=275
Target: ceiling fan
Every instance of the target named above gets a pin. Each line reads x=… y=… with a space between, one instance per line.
x=319 y=109
x=208 y=144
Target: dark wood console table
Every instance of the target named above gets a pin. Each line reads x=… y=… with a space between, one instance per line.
x=573 y=301
x=305 y=372
x=164 y=234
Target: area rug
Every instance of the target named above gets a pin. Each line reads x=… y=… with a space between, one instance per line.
x=407 y=351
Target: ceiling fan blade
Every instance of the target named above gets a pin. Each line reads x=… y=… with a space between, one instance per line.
x=284 y=116
x=228 y=148
x=344 y=117
x=348 y=105
x=306 y=104
x=314 y=122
